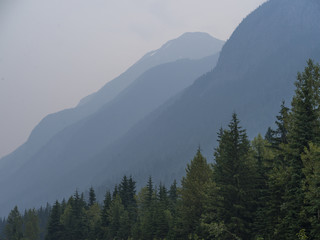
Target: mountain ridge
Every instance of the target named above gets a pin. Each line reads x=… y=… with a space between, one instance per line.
x=55 y=122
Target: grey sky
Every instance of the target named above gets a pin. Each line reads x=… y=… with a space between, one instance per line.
x=54 y=52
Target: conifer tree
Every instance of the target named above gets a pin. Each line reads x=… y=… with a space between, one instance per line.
x=31 y=225
x=277 y=176
x=55 y=227
x=118 y=216
x=263 y=156
x=234 y=178
x=105 y=221
x=304 y=127
x=310 y=187
x=163 y=215
x=13 y=228
x=74 y=218
x=92 y=197
x=93 y=214
x=148 y=211
x=194 y=184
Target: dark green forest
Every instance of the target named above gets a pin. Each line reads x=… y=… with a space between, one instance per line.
x=267 y=188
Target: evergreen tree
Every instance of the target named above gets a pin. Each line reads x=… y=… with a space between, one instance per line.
x=74 y=218
x=194 y=185
x=2 y=227
x=132 y=202
x=93 y=215
x=31 y=224
x=118 y=216
x=173 y=193
x=304 y=127
x=162 y=212
x=105 y=221
x=263 y=156
x=13 y=228
x=92 y=197
x=115 y=192
x=43 y=214
x=55 y=227
x=235 y=179
x=310 y=187
x=277 y=176
x=148 y=211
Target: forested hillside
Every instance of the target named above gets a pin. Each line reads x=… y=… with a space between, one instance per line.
x=267 y=188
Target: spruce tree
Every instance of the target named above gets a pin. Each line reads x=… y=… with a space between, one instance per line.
x=235 y=181
x=119 y=228
x=162 y=213
x=277 y=176
x=31 y=225
x=310 y=187
x=13 y=228
x=194 y=185
x=93 y=215
x=304 y=127
x=105 y=220
x=92 y=197
x=148 y=211
x=55 y=227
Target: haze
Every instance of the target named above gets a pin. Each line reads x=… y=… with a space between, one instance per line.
x=53 y=53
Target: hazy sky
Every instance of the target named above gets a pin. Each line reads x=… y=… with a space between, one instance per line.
x=54 y=52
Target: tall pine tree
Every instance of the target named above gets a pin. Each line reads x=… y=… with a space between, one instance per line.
x=304 y=127
x=235 y=181
x=194 y=185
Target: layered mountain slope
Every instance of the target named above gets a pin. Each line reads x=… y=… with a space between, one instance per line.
x=256 y=71
x=80 y=141
x=189 y=45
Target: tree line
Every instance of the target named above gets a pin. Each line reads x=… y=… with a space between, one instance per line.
x=267 y=188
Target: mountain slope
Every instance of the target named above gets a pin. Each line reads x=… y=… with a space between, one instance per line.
x=189 y=45
x=82 y=140
x=255 y=72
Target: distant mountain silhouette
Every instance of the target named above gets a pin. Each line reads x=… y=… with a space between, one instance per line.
x=255 y=72
x=194 y=45
x=80 y=141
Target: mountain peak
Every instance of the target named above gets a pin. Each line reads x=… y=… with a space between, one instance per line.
x=191 y=45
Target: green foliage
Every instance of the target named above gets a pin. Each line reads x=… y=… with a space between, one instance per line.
x=194 y=185
x=267 y=189
x=311 y=189
x=304 y=127
x=13 y=228
x=302 y=235
x=55 y=227
x=31 y=223
x=92 y=197
x=234 y=176
x=94 y=219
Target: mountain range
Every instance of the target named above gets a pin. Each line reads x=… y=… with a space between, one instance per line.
x=107 y=114
x=256 y=70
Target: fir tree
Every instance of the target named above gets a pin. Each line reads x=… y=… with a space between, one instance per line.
x=310 y=187
x=92 y=197
x=194 y=185
x=304 y=127
x=105 y=221
x=55 y=228
x=31 y=224
x=13 y=228
x=234 y=177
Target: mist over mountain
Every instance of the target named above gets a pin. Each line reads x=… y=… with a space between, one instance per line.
x=255 y=72
x=189 y=45
x=80 y=141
